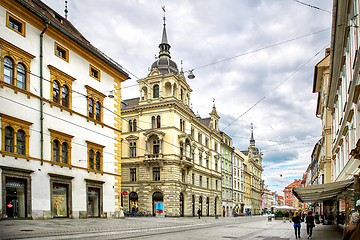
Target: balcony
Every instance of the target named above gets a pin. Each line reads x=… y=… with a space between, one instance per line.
x=152 y=158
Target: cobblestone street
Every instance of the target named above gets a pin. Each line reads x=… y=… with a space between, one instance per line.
x=256 y=227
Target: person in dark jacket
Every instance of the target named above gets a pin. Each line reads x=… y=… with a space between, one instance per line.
x=310 y=224
x=297 y=224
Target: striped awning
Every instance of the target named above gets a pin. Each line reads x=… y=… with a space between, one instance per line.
x=322 y=192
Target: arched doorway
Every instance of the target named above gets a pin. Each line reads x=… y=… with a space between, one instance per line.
x=207 y=207
x=133 y=203
x=227 y=211
x=200 y=204
x=181 y=204
x=193 y=205
x=157 y=197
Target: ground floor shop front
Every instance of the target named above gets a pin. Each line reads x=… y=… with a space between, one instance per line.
x=27 y=194
x=170 y=199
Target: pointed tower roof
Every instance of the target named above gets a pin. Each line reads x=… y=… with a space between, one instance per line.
x=252 y=140
x=164 y=62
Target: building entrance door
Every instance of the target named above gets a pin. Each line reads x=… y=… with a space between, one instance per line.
x=15 y=198
x=93 y=202
x=181 y=204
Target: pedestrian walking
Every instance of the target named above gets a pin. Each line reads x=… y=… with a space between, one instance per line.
x=310 y=224
x=297 y=224
x=352 y=231
x=199 y=212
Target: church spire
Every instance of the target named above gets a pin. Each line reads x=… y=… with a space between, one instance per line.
x=252 y=140
x=164 y=45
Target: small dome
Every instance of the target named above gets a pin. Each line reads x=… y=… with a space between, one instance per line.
x=165 y=65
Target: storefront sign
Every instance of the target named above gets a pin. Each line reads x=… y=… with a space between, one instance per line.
x=159 y=209
x=9 y=205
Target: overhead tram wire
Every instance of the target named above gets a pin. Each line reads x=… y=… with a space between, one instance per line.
x=276 y=87
x=312 y=6
x=259 y=49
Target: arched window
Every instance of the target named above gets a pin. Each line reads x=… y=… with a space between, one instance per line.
x=56 y=151
x=97 y=163
x=153 y=122
x=130 y=126
x=21 y=76
x=158 y=121
x=65 y=96
x=8 y=70
x=56 y=91
x=64 y=153
x=91 y=159
x=91 y=108
x=9 y=139
x=98 y=111
x=20 y=142
x=134 y=125
x=156 y=91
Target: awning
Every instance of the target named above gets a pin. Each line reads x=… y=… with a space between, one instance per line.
x=322 y=192
x=283 y=207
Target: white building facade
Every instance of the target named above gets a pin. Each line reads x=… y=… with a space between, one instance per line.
x=60 y=132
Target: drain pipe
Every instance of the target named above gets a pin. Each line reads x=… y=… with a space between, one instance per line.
x=41 y=97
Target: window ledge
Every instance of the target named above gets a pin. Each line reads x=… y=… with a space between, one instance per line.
x=95 y=171
x=15 y=155
x=15 y=88
x=62 y=108
x=61 y=164
x=95 y=121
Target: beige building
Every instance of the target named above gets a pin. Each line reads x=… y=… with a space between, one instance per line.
x=238 y=165
x=170 y=156
x=253 y=183
x=322 y=151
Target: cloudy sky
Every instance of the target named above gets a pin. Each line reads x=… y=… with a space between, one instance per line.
x=255 y=57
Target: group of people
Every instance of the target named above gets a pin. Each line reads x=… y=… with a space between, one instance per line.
x=309 y=220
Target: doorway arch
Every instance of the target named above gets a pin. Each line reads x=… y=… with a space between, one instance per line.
x=133 y=202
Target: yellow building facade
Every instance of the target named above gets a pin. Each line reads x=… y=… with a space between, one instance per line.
x=170 y=156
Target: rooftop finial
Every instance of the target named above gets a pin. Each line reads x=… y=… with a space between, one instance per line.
x=163 y=8
x=182 y=66
x=66 y=11
x=213 y=102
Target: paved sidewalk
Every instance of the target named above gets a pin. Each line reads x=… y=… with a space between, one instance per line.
x=243 y=228
x=280 y=230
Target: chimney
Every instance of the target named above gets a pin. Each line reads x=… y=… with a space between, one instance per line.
x=327 y=52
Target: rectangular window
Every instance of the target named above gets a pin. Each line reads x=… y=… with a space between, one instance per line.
x=183 y=176
x=200 y=181
x=133 y=174
x=156 y=173
x=216 y=184
x=207 y=182
x=61 y=52
x=15 y=24
x=193 y=178
x=94 y=72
